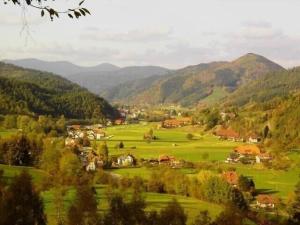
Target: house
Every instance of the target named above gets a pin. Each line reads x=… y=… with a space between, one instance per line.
x=180 y=122
x=231 y=177
x=126 y=160
x=92 y=161
x=96 y=134
x=248 y=150
x=263 y=157
x=228 y=134
x=253 y=138
x=119 y=121
x=266 y=201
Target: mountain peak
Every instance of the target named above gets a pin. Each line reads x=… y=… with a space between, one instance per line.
x=251 y=58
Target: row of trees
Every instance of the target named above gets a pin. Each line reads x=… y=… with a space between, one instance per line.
x=46 y=125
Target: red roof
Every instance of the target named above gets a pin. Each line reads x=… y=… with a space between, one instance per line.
x=164 y=158
x=248 y=150
x=266 y=199
x=228 y=133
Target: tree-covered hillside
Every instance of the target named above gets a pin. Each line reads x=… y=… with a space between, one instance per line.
x=34 y=92
x=272 y=85
x=193 y=84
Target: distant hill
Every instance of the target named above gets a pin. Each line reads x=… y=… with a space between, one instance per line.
x=97 y=78
x=194 y=84
x=34 y=92
x=59 y=67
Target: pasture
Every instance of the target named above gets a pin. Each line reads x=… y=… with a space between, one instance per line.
x=276 y=182
x=170 y=142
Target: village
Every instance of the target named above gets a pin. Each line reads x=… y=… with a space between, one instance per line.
x=83 y=137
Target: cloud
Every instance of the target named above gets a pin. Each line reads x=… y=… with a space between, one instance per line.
x=56 y=52
x=266 y=40
x=175 y=55
x=137 y=35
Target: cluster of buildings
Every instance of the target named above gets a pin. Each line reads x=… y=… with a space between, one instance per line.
x=232 y=135
x=165 y=160
x=248 y=154
x=264 y=201
x=92 y=132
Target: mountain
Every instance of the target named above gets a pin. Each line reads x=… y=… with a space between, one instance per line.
x=98 y=82
x=35 y=92
x=194 y=84
x=97 y=78
x=273 y=85
x=59 y=67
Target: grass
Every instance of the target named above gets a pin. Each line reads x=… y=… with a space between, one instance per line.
x=216 y=96
x=276 y=182
x=6 y=133
x=11 y=171
x=190 y=150
x=280 y=183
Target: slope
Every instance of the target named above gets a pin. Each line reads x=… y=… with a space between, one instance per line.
x=189 y=86
x=34 y=92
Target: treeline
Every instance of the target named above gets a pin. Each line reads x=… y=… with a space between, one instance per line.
x=20 y=203
x=27 y=145
x=207 y=186
x=25 y=91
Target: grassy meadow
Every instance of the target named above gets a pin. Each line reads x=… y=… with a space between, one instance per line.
x=171 y=142
x=276 y=182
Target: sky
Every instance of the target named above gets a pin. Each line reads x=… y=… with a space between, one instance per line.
x=169 y=33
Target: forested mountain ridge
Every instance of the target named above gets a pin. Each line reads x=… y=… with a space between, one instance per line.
x=33 y=92
x=97 y=78
x=191 y=85
x=60 y=67
x=272 y=85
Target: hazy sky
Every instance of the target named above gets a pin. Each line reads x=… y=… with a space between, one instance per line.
x=171 y=33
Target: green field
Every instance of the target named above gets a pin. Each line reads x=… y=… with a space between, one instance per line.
x=280 y=183
x=154 y=201
x=190 y=150
x=276 y=182
x=7 y=133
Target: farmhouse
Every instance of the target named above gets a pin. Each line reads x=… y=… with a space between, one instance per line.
x=180 y=122
x=263 y=157
x=96 y=134
x=228 y=134
x=119 y=121
x=93 y=161
x=266 y=201
x=166 y=160
x=126 y=160
x=253 y=138
x=231 y=177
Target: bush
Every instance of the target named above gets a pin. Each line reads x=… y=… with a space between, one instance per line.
x=189 y=136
